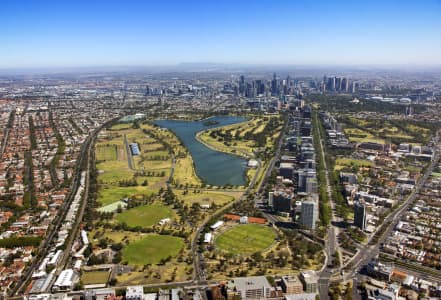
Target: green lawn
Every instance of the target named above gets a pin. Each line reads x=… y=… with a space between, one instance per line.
x=107 y=152
x=95 y=277
x=145 y=216
x=113 y=194
x=246 y=239
x=113 y=207
x=205 y=197
x=151 y=249
x=342 y=162
x=121 y=126
x=114 y=171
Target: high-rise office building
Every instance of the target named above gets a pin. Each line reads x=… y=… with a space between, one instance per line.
x=270 y=199
x=242 y=85
x=282 y=202
x=344 y=85
x=360 y=215
x=274 y=85
x=338 y=83
x=331 y=84
x=353 y=87
x=309 y=214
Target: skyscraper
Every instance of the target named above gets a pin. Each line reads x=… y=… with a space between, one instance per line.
x=309 y=214
x=337 y=83
x=274 y=86
x=344 y=85
x=331 y=84
x=353 y=87
x=360 y=215
x=242 y=85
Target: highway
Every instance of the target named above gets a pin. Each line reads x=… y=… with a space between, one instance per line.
x=89 y=152
x=7 y=129
x=365 y=255
x=53 y=230
x=370 y=252
x=331 y=243
x=5 y=141
x=274 y=159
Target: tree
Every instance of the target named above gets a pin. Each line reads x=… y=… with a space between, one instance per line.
x=102 y=243
x=113 y=281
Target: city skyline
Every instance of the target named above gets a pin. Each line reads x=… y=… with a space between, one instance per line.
x=111 y=33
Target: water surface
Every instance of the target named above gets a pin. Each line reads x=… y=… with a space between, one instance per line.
x=213 y=167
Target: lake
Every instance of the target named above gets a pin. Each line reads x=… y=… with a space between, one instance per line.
x=213 y=167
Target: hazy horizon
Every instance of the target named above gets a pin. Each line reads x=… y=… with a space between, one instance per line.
x=55 y=34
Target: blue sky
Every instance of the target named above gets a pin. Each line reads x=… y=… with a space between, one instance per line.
x=111 y=33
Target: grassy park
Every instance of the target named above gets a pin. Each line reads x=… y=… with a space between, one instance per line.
x=108 y=195
x=153 y=253
x=107 y=152
x=147 y=174
x=246 y=239
x=151 y=249
x=244 y=139
x=386 y=131
x=184 y=172
x=207 y=197
x=144 y=216
x=95 y=277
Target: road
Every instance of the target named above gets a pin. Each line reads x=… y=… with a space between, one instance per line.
x=372 y=251
x=199 y=273
x=366 y=254
x=129 y=153
x=331 y=243
x=53 y=230
x=67 y=257
x=7 y=129
x=273 y=161
x=198 y=267
x=5 y=141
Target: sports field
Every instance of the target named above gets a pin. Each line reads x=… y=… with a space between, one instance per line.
x=106 y=152
x=144 y=216
x=151 y=249
x=110 y=194
x=111 y=172
x=207 y=197
x=246 y=239
x=95 y=277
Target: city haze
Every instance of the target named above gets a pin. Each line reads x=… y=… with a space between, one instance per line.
x=112 y=33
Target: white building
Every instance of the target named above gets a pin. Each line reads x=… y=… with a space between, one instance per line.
x=255 y=287
x=252 y=163
x=164 y=221
x=243 y=220
x=135 y=292
x=65 y=281
x=270 y=199
x=55 y=258
x=217 y=225
x=208 y=237
x=84 y=237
